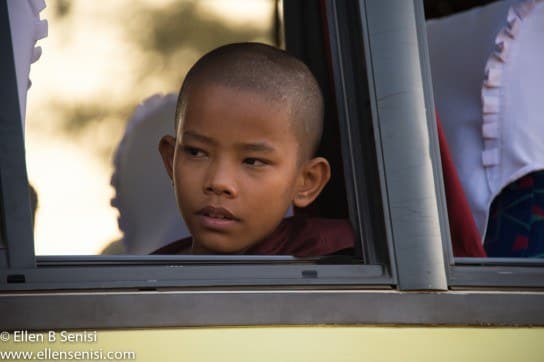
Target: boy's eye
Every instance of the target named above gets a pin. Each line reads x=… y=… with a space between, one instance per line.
x=194 y=152
x=255 y=162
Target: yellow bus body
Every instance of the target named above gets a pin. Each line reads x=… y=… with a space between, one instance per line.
x=300 y=343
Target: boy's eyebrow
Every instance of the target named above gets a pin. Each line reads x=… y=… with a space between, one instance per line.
x=257 y=147
x=199 y=137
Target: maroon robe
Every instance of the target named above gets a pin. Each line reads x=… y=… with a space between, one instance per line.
x=298 y=236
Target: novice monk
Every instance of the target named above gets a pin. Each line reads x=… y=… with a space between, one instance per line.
x=249 y=119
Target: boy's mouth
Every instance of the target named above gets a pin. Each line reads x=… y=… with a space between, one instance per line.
x=217 y=213
x=217 y=219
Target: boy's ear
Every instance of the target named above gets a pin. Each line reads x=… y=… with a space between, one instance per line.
x=167 y=146
x=313 y=177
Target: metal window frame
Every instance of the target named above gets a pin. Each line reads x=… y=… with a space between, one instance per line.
x=26 y=271
x=253 y=307
x=16 y=228
x=406 y=130
x=363 y=171
x=480 y=272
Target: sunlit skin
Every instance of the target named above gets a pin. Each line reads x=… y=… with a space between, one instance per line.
x=235 y=168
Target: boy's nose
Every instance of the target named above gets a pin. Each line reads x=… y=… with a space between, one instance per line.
x=220 y=181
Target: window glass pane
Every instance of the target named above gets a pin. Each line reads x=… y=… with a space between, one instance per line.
x=487 y=78
x=100 y=60
x=104 y=94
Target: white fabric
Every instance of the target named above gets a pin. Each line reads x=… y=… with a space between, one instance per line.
x=148 y=214
x=488 y=76
x=26 y=29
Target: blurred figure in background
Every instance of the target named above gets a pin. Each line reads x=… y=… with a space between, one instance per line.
x=144 y=197
x=488 y=79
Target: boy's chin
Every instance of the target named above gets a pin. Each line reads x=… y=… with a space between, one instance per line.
x=218 y=245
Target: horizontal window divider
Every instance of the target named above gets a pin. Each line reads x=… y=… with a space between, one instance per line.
x=496 y=276
x=101 y=260
x=96 y=310
x=525 y=262
x=174 y=275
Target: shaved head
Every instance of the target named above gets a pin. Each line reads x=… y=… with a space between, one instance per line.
x=270 y=72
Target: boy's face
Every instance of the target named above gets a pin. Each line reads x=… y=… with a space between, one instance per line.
x=235 y=167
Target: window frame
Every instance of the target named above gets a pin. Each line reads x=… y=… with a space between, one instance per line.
x=463 y=273
x=481 y=272
x=16 y=234
x=62 y=310
x=26 y=271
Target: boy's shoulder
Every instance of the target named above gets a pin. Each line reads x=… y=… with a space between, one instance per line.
x=305 y=236
x=298 y=236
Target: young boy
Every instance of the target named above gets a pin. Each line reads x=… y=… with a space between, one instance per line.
x=249 y=119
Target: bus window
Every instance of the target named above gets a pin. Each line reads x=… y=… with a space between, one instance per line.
x=90 y=110
x=90 y=121
x=483 y=59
